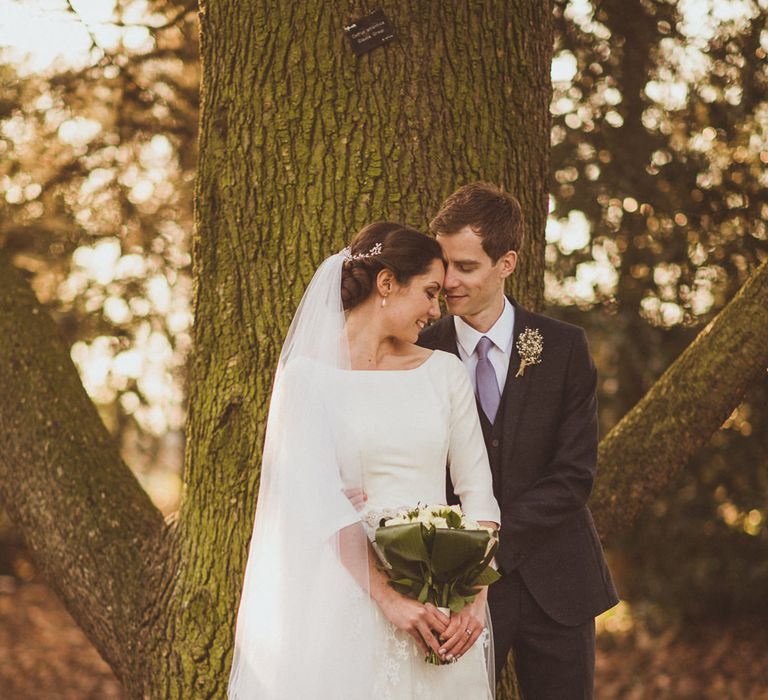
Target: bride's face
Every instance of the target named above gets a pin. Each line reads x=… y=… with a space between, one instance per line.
x=410 y=307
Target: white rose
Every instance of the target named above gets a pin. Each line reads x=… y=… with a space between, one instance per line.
x=425 y=517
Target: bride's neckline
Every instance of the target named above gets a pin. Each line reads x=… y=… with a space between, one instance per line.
x=390 y=371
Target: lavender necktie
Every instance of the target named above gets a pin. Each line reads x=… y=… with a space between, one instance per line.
x=485 y=375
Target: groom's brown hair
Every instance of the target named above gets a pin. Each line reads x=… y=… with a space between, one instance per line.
x=489 y=211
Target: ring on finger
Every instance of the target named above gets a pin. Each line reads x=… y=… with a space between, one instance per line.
x=468 y=632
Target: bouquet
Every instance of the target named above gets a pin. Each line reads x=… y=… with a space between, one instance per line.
x=435 y=554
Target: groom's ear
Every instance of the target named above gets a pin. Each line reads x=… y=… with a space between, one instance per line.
x=507 y=263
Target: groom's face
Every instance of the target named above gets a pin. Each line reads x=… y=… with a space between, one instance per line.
x=474 y=284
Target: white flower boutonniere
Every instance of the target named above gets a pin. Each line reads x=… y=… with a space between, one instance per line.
x=530 y=345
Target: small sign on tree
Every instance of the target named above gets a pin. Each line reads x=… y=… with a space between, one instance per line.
x=370 y=32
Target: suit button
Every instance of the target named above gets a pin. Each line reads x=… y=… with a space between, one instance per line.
x=494 y=443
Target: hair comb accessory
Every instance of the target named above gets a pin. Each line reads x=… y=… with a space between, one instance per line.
x=374 y=251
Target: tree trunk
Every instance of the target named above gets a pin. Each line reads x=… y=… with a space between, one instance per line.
x=301 y=144
x=88 y=524
x=684 y=408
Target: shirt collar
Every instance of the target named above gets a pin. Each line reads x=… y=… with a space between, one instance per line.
x=500 y=332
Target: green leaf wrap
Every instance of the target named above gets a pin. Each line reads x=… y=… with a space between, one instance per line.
x=444 y=567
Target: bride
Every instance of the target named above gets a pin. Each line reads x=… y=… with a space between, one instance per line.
x=357 y=408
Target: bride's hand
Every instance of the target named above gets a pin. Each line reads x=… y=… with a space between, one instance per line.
x=416 y=619
x=464 y=628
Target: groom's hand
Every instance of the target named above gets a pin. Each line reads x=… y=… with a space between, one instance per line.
x=464 y=628
x=357 y=497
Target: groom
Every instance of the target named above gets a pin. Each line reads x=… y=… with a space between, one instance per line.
x=535 y=388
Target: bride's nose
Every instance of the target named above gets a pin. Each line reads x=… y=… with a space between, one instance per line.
x=434 y=309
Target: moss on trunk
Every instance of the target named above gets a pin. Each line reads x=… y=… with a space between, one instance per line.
x=301 y=143
x=683 y=409
x=86 y=520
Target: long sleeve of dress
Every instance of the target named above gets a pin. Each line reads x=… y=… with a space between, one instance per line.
x=467 y=456
x=309 y=486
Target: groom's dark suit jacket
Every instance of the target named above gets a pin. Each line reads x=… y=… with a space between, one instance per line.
x=543 y=454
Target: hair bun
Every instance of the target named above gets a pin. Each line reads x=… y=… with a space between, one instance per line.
x=356 y=283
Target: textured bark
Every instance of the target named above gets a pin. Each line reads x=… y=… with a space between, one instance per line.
x=85 y=518
x=684 y=408
x=301 y=144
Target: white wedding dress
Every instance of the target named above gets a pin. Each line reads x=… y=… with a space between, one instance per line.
x=406 y=425
x=307 y=628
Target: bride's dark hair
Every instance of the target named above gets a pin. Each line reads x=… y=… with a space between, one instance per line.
x=403 y=250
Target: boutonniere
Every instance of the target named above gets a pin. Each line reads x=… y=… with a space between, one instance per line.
x=529 y=345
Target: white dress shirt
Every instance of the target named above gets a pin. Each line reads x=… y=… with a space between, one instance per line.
x=501 y=334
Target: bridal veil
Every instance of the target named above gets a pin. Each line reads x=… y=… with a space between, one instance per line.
x=304 y=622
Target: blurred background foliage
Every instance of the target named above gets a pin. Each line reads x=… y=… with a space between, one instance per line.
x=659 y=212
x=97 y=167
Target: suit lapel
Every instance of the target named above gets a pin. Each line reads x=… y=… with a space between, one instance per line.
x=515 y=388
x=515 y=393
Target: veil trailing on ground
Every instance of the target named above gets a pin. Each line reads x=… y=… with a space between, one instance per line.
x=304 y=622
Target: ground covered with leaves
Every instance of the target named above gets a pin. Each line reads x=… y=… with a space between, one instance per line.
x=45 y=656
x=645 y=654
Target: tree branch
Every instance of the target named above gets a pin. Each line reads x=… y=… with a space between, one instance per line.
x=89 y=525
x=691 y=400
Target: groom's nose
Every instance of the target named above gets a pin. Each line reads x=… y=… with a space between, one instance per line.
x=451 y=280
